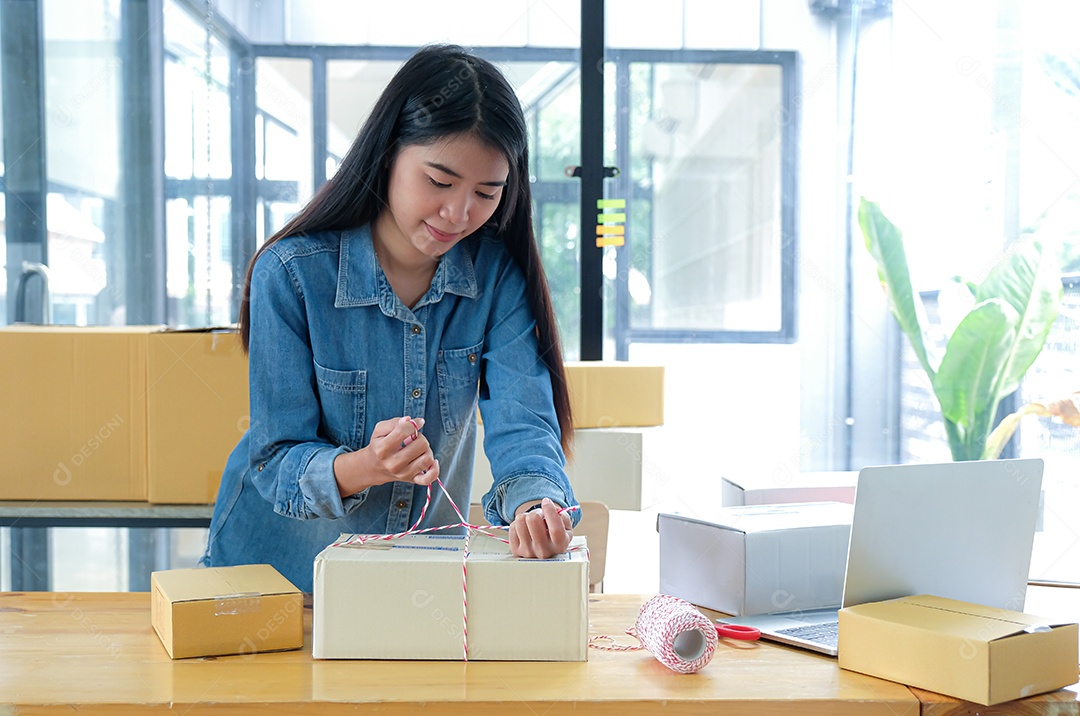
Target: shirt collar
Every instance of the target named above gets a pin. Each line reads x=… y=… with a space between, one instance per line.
x=361 y=280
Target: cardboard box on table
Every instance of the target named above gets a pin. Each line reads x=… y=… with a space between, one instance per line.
x=403 y=599
x=784 y=487
x=757 y=559
x=978 y=653
x=118 y=412
x=226 y=610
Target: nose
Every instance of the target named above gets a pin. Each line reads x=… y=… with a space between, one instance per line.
x=456 y=210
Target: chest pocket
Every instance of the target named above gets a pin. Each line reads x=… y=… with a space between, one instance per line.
x=459 y=385
x=343 y=397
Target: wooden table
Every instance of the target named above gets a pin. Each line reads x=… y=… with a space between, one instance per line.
x=98 y=653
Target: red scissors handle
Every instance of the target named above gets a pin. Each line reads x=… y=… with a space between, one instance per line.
x=738 y=631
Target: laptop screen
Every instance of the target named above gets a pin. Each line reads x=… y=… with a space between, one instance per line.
x=962 y=530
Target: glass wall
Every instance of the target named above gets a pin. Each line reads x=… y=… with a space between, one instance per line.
x=82 y=102
x=198 y=168
x=986 y=154
x=283 y=149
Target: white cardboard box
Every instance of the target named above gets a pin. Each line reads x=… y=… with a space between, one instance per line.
x=783 y=486
x=757 y=559
x=403 y=599
x=609 y=465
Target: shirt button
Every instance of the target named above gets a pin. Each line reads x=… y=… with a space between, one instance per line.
x=416 y=393
x=416 y=330
x=260 y=467
x=472 y=357
x=402 y=504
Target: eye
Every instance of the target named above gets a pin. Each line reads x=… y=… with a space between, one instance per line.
x=482 y=195
x=438 y=183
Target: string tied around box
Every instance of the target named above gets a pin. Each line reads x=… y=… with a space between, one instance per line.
x=678 y=635
x=470 y=529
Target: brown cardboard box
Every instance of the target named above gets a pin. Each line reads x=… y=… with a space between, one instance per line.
x=964 y=650
x=226 y=610
x=610 y=394
x=74 y=413
x=518 y=609
x=197 y=410
x=118 y=412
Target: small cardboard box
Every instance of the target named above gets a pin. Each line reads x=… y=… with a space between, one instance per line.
x=609 y=465
x=611 y=394
x=226 y=610
x=119 y=412
x=964 y=650
x=784 y=486
x=413 y=601
x=757 y=559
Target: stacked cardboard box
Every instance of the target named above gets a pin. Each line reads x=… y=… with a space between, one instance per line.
x=615 y=407
x=119 y=413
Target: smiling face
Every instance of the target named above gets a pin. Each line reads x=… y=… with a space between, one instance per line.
x=437 y=195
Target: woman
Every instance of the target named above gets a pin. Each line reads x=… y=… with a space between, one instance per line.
x=407 y=292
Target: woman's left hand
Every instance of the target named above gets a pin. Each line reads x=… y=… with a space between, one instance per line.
x=540 y=534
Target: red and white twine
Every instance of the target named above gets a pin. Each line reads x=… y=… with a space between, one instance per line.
x=677 y=634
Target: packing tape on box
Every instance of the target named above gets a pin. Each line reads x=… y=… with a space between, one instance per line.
x=673 y=630
x=239 y=603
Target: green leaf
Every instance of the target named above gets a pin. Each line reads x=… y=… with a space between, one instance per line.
x=974 y=357
x=1028 y=277
x=886 y=245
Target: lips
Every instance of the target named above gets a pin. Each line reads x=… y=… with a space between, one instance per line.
x=442 y=236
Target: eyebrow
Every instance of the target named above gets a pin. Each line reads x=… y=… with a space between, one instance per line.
x=447 y=170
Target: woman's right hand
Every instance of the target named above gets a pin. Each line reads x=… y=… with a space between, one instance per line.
x=397 y=451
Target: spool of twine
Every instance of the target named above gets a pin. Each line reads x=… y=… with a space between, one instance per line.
x=677 y=634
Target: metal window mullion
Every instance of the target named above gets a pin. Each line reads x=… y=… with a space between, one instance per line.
x=244 y=200
x=319 y=129
x=142 y=159
x=592 y=177
x=621 y=187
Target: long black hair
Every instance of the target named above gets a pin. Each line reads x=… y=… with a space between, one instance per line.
x=441 y=91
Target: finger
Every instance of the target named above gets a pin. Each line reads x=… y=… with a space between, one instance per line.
x=383 y=428
x=538 y=533
x=428 y=475
x=515 y=540
x=557 y=522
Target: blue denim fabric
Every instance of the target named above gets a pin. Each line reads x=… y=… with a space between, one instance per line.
x=333 y=352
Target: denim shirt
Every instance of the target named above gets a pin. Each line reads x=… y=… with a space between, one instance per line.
x=333 y=351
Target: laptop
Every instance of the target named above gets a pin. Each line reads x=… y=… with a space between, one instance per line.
x=961 y=530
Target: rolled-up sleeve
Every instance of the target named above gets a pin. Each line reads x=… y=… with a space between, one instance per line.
x=292 y=467
x=521 y=429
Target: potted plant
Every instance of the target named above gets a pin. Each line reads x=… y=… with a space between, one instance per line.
x=991 y=347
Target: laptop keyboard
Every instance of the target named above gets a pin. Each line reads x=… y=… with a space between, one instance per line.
x=826 y=633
